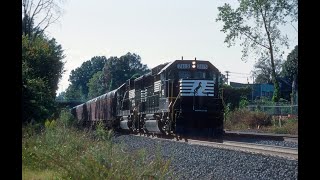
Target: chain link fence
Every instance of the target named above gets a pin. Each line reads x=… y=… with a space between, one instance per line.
x=282 y=110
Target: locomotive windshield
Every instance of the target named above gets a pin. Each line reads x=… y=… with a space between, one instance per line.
x=198 y=74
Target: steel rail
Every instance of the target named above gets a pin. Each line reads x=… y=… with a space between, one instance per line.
x=278 y=151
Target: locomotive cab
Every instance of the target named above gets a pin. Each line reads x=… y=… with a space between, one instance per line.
x=191 y=89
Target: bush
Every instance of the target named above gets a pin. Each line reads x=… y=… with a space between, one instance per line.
x=243 y=102
x=249 y=119
x=234 y=95
x=50 y=124
x=101 y=133
x=288 y=126
x=66 y=118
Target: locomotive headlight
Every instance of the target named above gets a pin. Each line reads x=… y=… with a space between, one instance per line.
x=193 y=64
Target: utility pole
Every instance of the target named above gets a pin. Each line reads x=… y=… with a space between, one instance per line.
x=227 y=75
x=252 y=89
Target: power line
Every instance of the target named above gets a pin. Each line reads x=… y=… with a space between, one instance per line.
x=238 y=73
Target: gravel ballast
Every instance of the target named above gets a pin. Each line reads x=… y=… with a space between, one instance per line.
x=288 y=144
x=202 y=162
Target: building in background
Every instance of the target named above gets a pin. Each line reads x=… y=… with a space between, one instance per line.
x=266 y=89
x=258 y=90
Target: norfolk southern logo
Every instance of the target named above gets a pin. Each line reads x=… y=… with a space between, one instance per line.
x=197 y=88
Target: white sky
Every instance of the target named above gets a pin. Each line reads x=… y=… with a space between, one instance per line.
x=158 y=30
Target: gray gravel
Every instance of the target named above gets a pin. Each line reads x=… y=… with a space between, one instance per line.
x=202 y=162
x=290 y=144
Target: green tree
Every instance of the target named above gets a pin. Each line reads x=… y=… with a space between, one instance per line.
x=42 y=67
x=263 y=72
x=264 y=37
x=118 y=70
x=74 y=93
x=79 y=78
x=290 y=71
x=233 y=96
x=290 y=66
x=96 y=85
x=61 y=96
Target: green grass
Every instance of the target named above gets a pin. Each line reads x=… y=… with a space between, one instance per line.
x=62 y=152
x=28 y=174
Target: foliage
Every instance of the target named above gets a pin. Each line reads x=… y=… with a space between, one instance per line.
x=290 y=72
x=233 y=95
x=118 y=70
x=290 y=66
x=276 y=93
x=61 y=96
x=100 y=75
x=264 y=37
x=243 y=102
x=50 y=124
x=243 y=119
x=101 y=133
x=66 y=153
x=227 y=111
x=96 y=85
x=45 y=12
x=288 y=126
x=250 y=119
x=66 y=119
x=80 y=77
x=264 y=101
x=263 y=71
x=42 y=67
x=74 y=93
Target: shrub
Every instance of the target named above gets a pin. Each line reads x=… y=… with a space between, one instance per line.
x=250 y=119
x=288 y=126
x=50 y=124
x=101 y=133
x=243 y=102
x=66 y=118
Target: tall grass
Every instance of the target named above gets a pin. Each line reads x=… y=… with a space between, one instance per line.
x=243 y=119
x=288 y=126
x=60 y=151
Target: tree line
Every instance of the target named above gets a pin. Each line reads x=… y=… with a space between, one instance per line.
x=100 y=75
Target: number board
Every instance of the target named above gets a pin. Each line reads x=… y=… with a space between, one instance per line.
x=188 y=66
x=183 y=66
x=202 y=66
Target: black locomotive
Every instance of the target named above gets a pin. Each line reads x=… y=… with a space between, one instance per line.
x=177 y=98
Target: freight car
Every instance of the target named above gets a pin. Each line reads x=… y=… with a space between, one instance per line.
x=177 y=98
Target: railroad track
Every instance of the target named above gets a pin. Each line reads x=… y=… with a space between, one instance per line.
x=291 y=153
x=237 y=135
x=279 y=151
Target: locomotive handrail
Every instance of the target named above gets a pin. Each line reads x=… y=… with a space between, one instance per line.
x=172 y=113
x=223 y=103
x=221 y=96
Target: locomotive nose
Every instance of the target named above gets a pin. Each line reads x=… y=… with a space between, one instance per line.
x=189 y=87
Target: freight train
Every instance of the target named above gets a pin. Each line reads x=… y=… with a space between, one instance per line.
x=176 y=98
